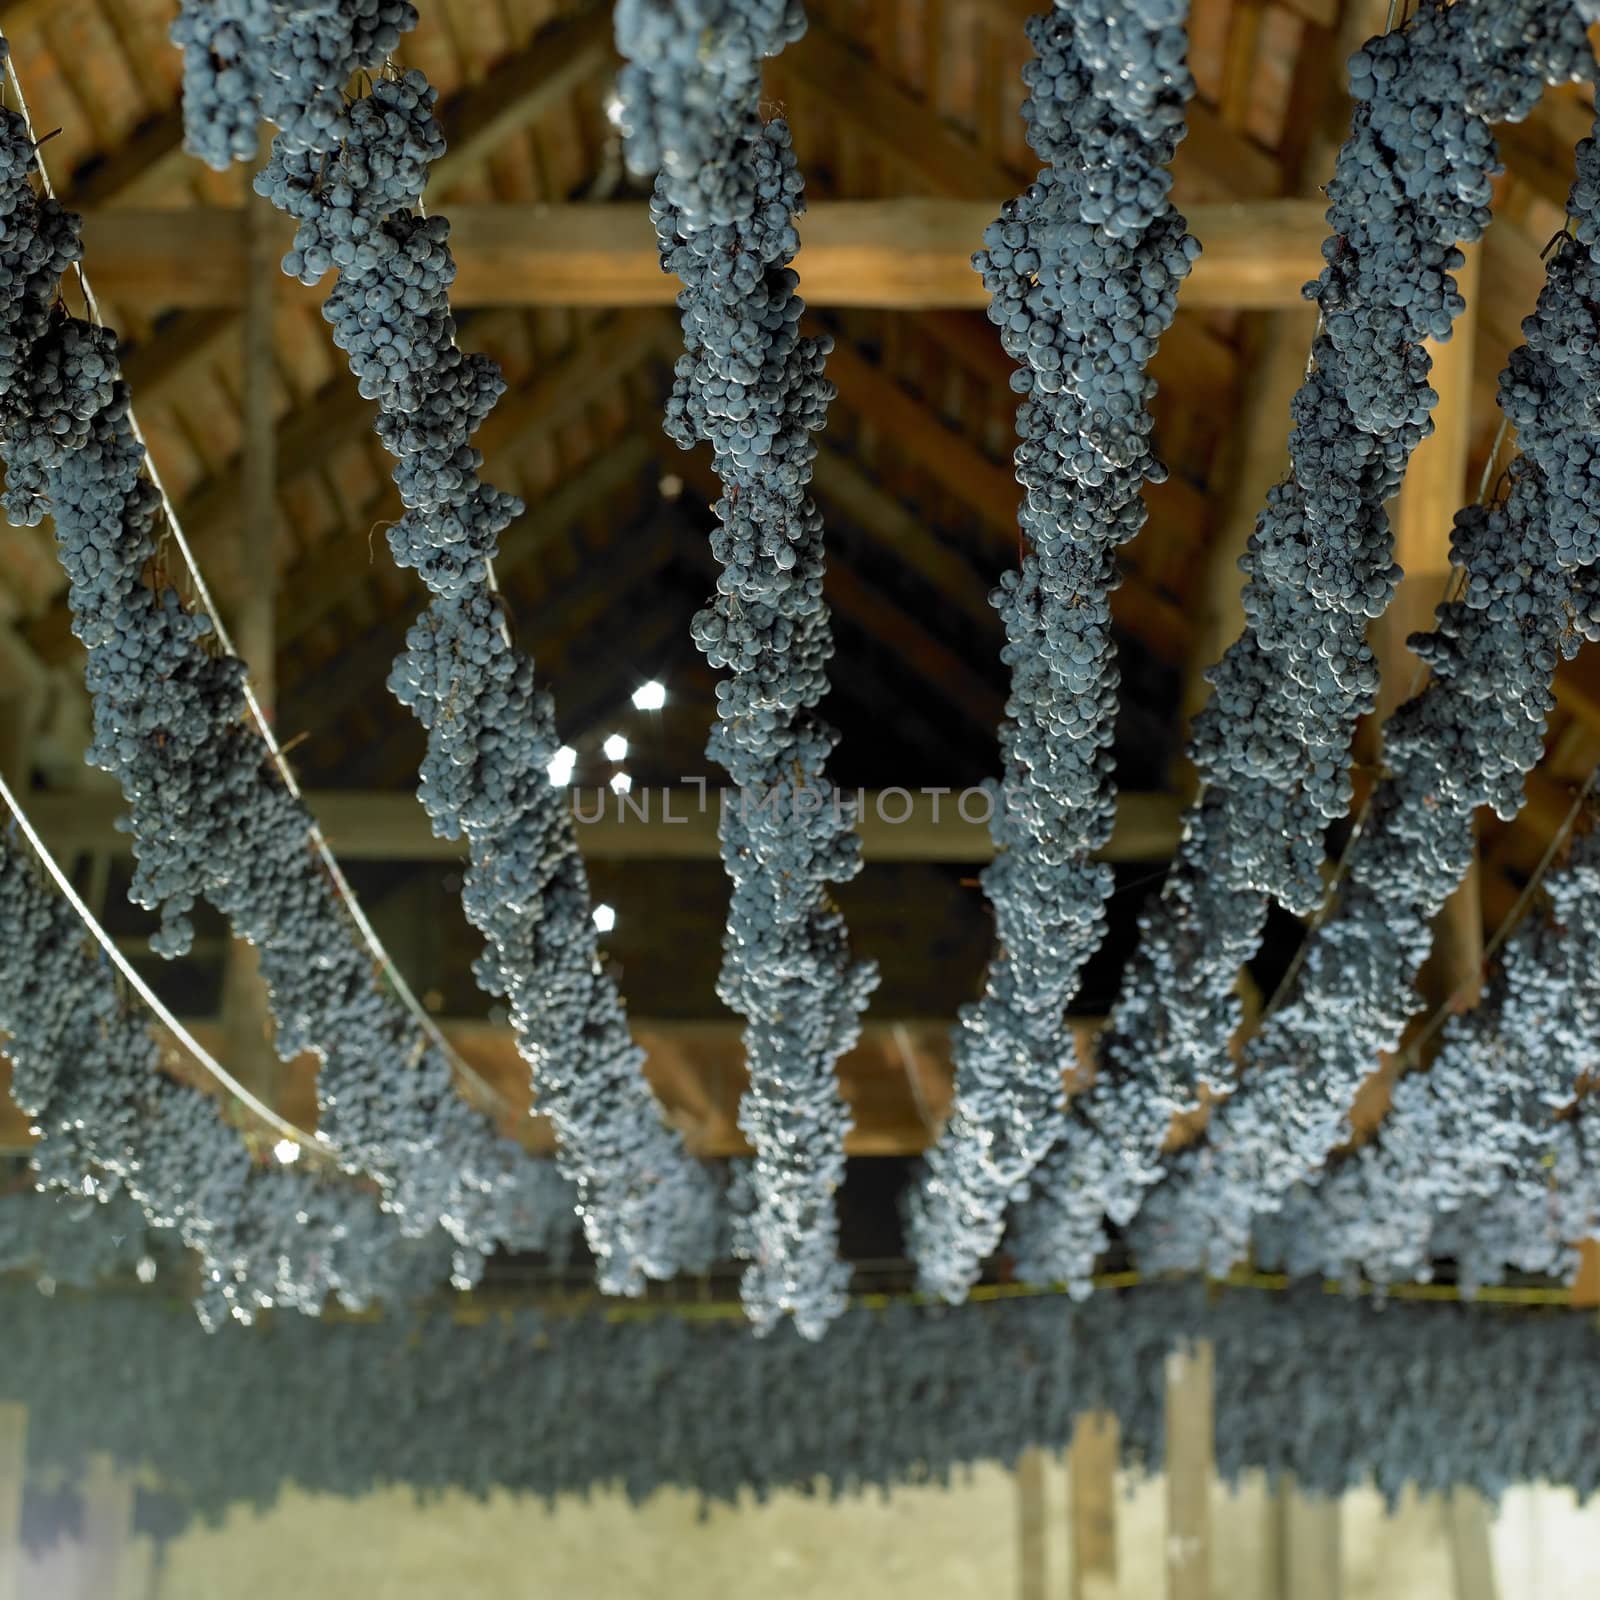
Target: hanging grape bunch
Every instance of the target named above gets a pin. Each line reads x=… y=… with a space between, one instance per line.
x=1466 y=741
x=1082 y=272
x=1271 y=746
x=207 y=818
x=351 y=175
x=726 y=200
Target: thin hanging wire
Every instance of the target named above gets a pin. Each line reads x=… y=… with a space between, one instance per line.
x=481 y=1089
x=315 y=1142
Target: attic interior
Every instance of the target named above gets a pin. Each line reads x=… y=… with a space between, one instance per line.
x=755 y=752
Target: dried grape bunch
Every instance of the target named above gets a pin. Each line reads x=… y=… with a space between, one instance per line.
x=1472 y=1163
x=1272 y=745
x=750 y=385
x=1466 y=740
x=1083 y=272
x=688 y=65
x=1339 y=1393
x=113 y=1127
x=72 y=1239
x=283 y=60
x=207 y=816
x=353 y=183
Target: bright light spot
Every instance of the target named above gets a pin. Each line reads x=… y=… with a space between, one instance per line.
x=561 y=764
x=616 y=747
x=621 y=783
x=146 y=1269
x=605 y=919
x=671 y=486
x=287 y=1152
x=650 y=696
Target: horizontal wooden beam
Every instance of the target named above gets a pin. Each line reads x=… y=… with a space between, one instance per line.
x=901 y=254
x=659 y=824
x=897 y=1082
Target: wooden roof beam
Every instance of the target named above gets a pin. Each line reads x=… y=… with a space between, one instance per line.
x=902 y=254
x=389 y=825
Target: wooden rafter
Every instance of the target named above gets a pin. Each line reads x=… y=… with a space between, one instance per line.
x=879 y=613
x=327 y=578
x=900 y=127
x=360 y=669
x=520 y=89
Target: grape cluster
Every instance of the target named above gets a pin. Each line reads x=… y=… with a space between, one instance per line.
x=754 y=389
x=283 y=60
x=113 y=1128
x=353 y=183
x=1082 y=272
x=1412 y=179
x=38 y=242
x=1272 y=744
x=1470 y=1163
x=685 y=63
x=72 y=1239
x=1531 y=595
x=207 y=816
x=1337 y=1393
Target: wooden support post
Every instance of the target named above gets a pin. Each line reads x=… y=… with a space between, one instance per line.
x=246 y=1010
x=1260 y=460
x=254 y=621
x=1303 y=1545
x=1031 y=1566
x=107 y=1528
x=1467 y=1517
x=1092 y=1506
x=1189 y=1471
x=13 y=1462
x=18 y=717
x=1435 y=489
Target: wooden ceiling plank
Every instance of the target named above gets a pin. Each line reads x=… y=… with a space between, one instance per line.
x=905 y=129
x=331 y=689
x=322 y=583
x=520 y=89
x=1324 y=13
x=944 y=670
x=841 y=482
